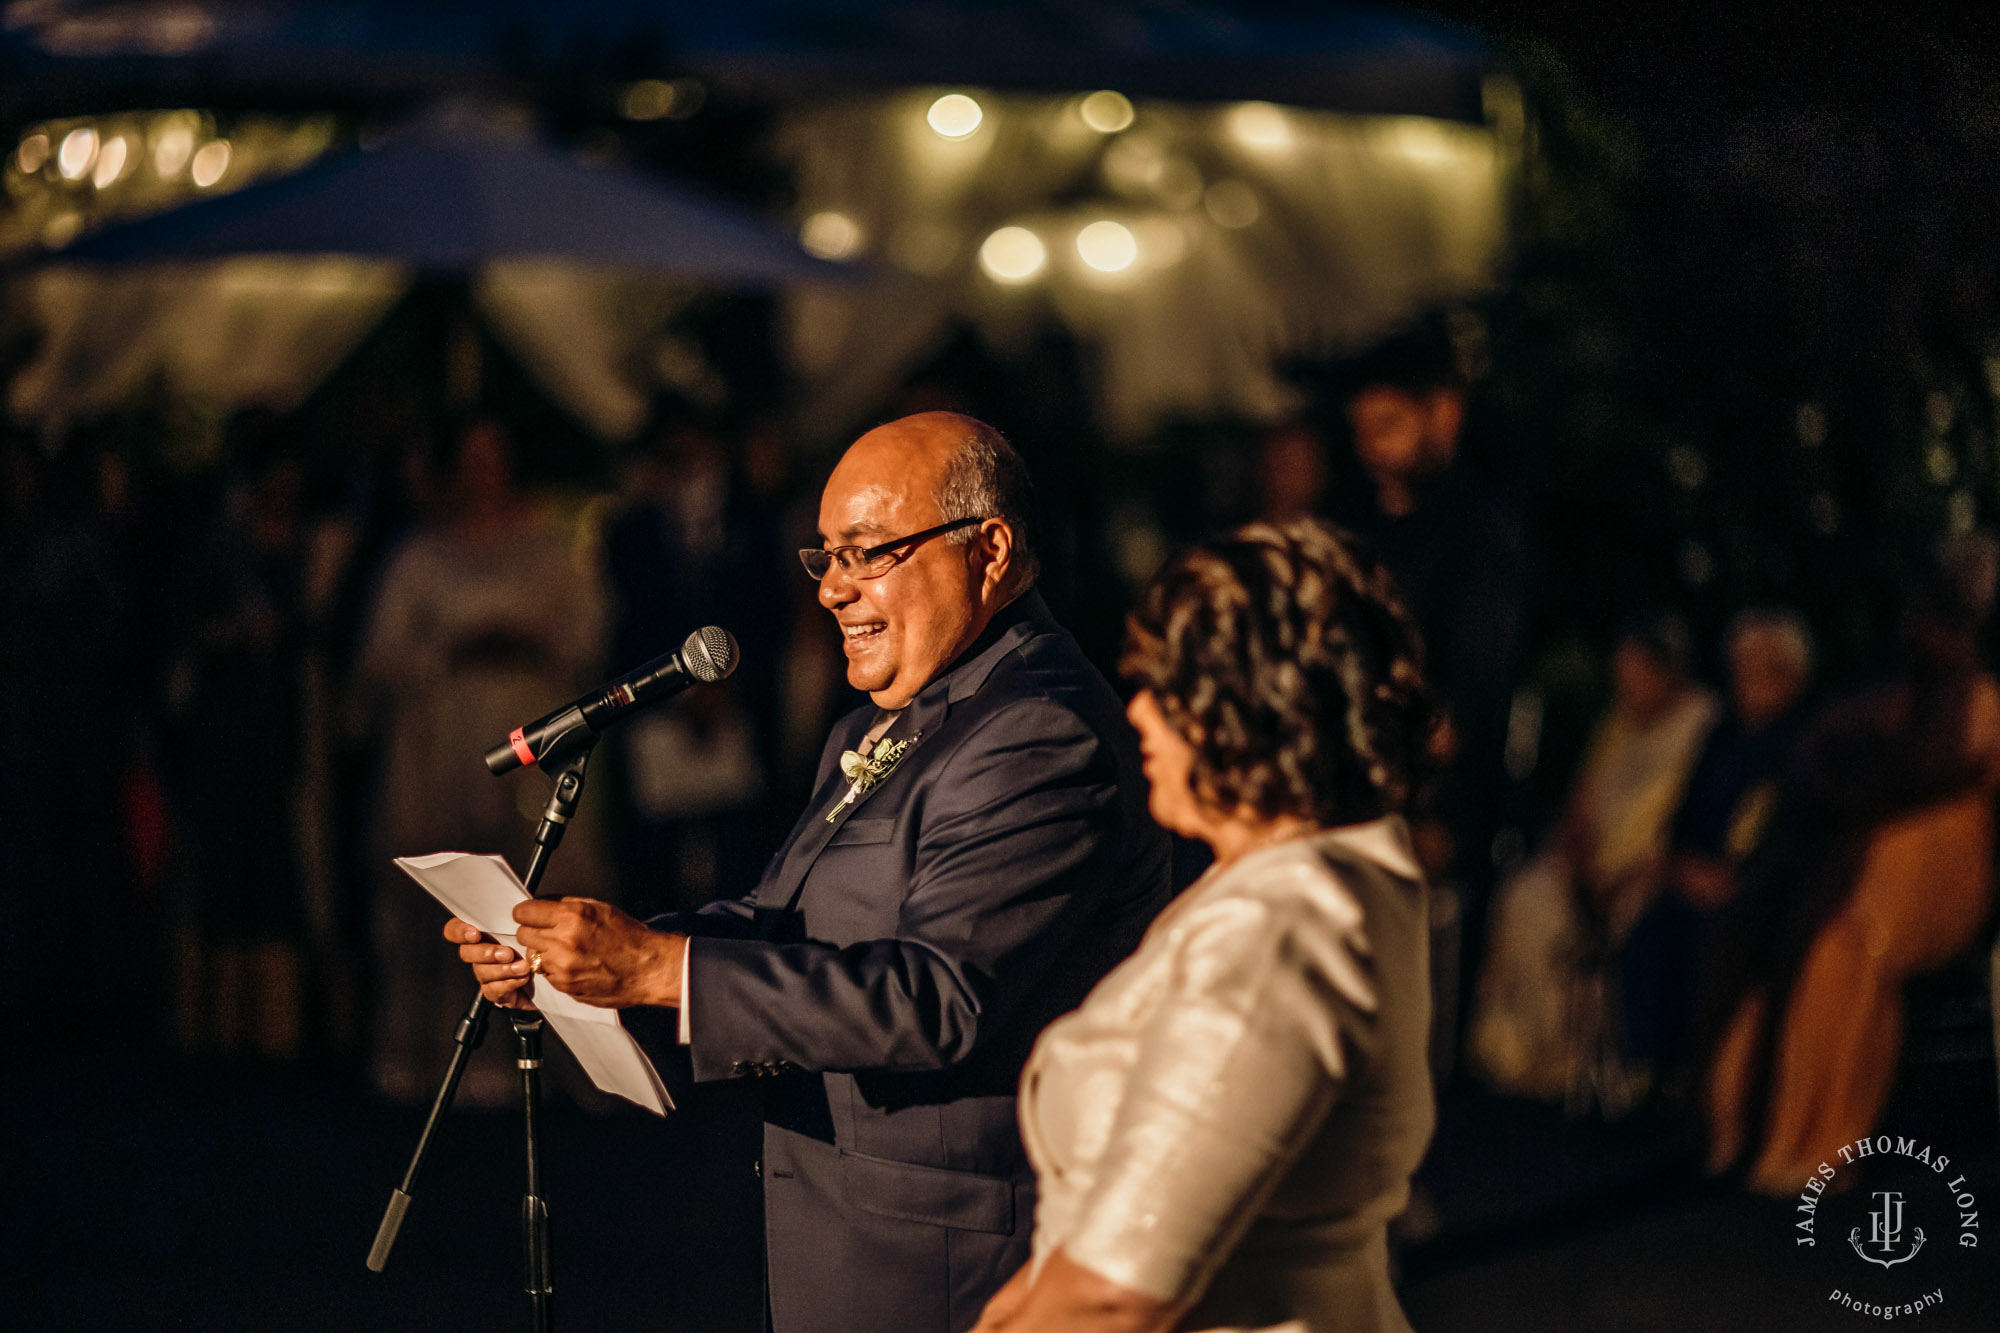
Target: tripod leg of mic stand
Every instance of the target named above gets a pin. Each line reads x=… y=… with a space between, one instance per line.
x=534 y=1207
x=471 y=1031
x=528 y=1032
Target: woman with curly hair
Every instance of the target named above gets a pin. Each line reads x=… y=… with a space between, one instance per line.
x=1223 y=1130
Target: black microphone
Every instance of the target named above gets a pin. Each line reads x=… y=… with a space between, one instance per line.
x=707 y=656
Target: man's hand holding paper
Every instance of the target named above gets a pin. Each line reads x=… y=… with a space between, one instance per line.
x=589 y=950
x=500 y=969
x=485 y=898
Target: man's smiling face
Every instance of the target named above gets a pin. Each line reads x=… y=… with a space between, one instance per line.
x=900 y=629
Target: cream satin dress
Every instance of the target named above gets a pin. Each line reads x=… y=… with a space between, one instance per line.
x=1232 y=1117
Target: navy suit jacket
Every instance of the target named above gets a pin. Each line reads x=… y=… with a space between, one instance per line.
x=891 y=971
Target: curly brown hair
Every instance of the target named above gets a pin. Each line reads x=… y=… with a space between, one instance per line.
x=1283 y=655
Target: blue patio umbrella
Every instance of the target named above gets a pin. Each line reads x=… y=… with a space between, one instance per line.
x=444 y=198
x=449 y=200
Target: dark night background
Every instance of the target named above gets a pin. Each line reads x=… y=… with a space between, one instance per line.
x=1744 y=346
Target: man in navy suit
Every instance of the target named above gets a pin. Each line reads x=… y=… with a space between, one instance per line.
x=976 y=855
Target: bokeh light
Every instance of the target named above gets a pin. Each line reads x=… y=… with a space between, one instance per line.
x=1260 y=125
x=211 y=160
x=33 y=152
x=658 y=99
x=1179 y=184
x=831 y=235
x=954 y=115
x=78 y=152
x=1423 y=141
x=648 y=99
x=1106 y=112
x=1809 y=421
x=1232 y=204
x=1134 y=164
x=1013 y=254
x=61 y=229
x=111 y=160
x=1107 y=246
x=173 y=149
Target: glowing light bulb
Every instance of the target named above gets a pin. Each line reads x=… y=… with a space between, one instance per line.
x=831 y=235
x=1013 y=254
x=78 y=151
x=1106 y=112
x=171 y=153
x=32 y=153
x=111 y=161
x=954 y=115
x=1107 y=246
x=1260 y=125
x=210 y=161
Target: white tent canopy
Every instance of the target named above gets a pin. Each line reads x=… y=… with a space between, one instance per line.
x=1190 y=247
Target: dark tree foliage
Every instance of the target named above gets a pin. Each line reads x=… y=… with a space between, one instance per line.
x=1749 y=348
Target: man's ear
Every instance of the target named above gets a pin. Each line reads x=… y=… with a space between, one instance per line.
x=996 y=540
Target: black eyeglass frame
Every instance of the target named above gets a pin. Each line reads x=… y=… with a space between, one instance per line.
x=811 y=555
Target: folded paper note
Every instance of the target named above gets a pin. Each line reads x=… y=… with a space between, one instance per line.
x=482 y=890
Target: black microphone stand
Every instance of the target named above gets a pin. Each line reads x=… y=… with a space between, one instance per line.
x=569 y=774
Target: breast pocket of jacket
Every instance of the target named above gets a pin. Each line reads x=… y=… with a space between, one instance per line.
x=862 y=832
x=857 y=884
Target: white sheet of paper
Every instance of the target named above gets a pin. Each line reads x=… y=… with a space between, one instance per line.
x=483 y=891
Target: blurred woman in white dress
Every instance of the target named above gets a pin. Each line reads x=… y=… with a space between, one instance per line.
x=1222 y=1132
x=481 y=621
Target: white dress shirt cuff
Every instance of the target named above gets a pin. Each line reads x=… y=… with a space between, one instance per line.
x=687 y=1033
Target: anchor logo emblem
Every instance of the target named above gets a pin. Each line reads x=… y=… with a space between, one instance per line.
x=1885 y=1232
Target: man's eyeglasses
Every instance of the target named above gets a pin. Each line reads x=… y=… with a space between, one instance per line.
x=872 y=562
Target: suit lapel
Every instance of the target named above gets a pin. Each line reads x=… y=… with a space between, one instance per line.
x=924 y=716
x=820 y=829
x=777 y=886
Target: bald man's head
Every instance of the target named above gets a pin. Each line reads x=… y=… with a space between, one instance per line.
x=901 y=479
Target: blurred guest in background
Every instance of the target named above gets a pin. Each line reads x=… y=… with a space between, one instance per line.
x=68 y=709
x=233 y=752
x=1880 y=869
x=1223 y=1130
x=1546 y=1019
x=1723 y=817
x=689 y=549
x=1459 y=554
x=482 y=622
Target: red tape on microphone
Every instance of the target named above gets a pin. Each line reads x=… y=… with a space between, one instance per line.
x=520 y=744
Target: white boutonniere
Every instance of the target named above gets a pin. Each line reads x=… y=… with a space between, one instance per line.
x=864 y=768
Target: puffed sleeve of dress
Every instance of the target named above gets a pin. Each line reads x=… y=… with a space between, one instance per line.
x=1269 y=1008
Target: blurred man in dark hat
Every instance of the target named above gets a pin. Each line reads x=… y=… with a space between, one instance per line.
x=1459 y=553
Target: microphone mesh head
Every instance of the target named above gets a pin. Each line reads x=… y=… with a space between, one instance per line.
x=709 y=653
